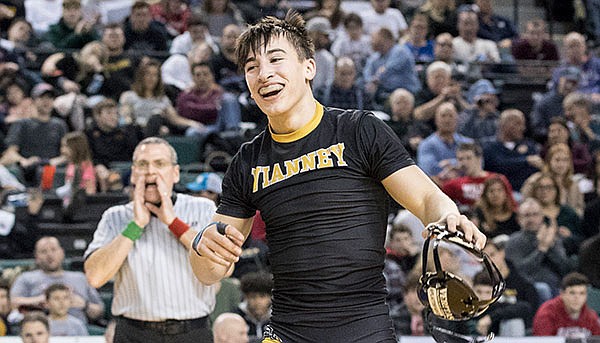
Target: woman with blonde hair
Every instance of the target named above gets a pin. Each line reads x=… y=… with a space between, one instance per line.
x=558 y=163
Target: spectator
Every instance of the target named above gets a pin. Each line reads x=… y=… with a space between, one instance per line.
x=79 y=174
x=417 y=39
x=42 y=13
x=207 y=185
x=558 y=132
x=402 y=249
x=20 y=37
x=121 y=66
x=147 y=105
x=80 y=72
x=481 y=121
x=495 y=211
x=227 y=73
x=501 y=312
x=35 y=141
x=517 y=288
x=559 y=163
x=330 y=9
x=35 y=328
x=589 y=260
x=510 y=153
x=72 y=31
x=467 y=47
x=354 y=43
x=586 y=127
x=58 y=297
x=162 y=225
x=440 y=88
x=391 y=66
x=255 y=10
x=576 y=55
x=442 y=16
x=256 y=306
x=196 y=34
x=494 y=27
x=10 y=10
x=142 y=33
x=220 y=13
x=230 y=328
x=551 y=103
x=436 y=154
x=207 y=105
x=345 y=92
x=546 y=190
x=318 y=29
x=110 y=142
x=176 y=72
x=381 y=15
x=410 y=131
x=567 y=315
x=28 y=288
x=20 y=223
x=173 y=14
x=537 y=251
x=17 y=104
x=467 y=189
x=408 y=316
x=535 y=43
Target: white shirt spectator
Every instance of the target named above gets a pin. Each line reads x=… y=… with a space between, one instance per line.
x=392 y=19
x=183 y=43
x=481 y=50
x=325 y=62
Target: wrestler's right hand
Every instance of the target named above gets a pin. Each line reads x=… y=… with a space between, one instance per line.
x=223 y=247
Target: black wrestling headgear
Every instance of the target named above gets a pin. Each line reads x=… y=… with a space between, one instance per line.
x=447 y=295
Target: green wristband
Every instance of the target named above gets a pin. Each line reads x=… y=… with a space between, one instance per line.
x=132 y=231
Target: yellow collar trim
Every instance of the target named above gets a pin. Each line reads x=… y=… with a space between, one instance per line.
x=301 y=132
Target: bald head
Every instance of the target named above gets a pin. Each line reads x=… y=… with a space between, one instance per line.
x=230 y=328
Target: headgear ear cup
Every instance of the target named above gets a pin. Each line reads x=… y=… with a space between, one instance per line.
x=447 y=295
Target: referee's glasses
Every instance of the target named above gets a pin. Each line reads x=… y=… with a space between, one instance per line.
x=144 y=165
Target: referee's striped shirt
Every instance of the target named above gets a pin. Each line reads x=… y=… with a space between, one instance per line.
x=156 y=281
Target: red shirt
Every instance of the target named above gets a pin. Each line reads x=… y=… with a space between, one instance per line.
x=552 y=319
x=466 y=190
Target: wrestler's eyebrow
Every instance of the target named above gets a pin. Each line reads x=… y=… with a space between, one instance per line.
x=269 y=52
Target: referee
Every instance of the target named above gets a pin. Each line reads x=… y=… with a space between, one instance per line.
x=143 y=245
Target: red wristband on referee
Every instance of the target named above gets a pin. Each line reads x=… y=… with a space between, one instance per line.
x=178 y=227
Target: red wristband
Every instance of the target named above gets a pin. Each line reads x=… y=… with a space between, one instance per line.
x=178 y=227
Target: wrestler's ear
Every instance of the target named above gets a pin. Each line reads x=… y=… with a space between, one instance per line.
x=310 y=69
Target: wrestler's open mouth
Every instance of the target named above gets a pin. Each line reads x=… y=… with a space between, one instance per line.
x=151 y=184
x=270 y=90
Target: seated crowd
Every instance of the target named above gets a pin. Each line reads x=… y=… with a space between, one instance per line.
x=79 y=91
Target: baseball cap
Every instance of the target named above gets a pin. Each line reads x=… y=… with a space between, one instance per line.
x=480 y=88
x=571 y=73
x=205 y=182
x=318 y=24
x=41 y=89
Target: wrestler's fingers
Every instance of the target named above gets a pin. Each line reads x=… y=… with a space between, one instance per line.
x=232 y=233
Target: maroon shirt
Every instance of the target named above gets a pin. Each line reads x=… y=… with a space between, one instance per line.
x=521 y=50
x=200 y=106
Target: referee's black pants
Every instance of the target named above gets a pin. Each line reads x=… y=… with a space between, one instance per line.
x=171 y=331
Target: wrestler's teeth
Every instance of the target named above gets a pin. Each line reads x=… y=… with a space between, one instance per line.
x=270 y=89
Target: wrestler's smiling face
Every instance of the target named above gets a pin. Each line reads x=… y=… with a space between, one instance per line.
x=277 y=77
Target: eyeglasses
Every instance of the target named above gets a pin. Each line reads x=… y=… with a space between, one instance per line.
x=145 y=165
x=546 y=187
